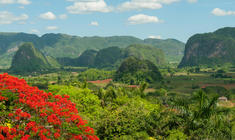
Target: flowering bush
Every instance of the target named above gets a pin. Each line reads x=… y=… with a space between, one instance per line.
x=29 y=113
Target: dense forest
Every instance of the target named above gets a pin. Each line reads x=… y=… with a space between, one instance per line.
x=120 y=88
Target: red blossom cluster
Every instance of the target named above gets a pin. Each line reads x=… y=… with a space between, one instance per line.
x=40 y=115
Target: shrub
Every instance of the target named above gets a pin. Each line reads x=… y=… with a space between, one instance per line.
x=30 y=113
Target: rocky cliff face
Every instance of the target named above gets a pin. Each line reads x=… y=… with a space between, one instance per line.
x=217 y=48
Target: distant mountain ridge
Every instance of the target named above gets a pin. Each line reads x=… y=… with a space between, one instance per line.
x=62 y=45
x=173 y=49
x=112 y=57
x=210 y=49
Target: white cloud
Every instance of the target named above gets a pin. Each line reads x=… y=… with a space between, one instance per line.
x=8 y=18
x=51 y=27
x=166 y=1
x=192 y=1
x=88 y=6
x=142 y=19
x=132 y=5
x=35 y=31
x=221 y=12
x=24 y=2
x=143 y=4
x=48 y=16
x=63 y=16
x=155 y=37
x=94 y=23
x=7 y=1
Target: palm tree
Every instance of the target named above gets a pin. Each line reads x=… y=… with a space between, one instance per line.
x=141 y=89
x=202 y=118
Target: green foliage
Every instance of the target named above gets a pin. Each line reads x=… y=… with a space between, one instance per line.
x=95 y=74
x=201 y=118
x=136 y=71
x=87 y=103
x=217 y=91
x=220 y=74
x=119 y=112
x=126 y=120
x=7 y=106
x=210 y=49
x=176 y=135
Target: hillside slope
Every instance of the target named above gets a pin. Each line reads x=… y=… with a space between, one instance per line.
x=62 y=45
x=29 y=59
x=135 y=71
x=173 y=49
x=112 y=57
x=146 y=52
x=210 y=49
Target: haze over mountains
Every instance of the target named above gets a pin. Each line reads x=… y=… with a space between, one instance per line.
x=61 y=45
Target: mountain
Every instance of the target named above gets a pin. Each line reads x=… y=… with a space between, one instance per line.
x=86 y=59
x=29 y=59
x=53 y=62
x=145 y=52
x=112 y=57
x=9 y=44
x=210 y=49
x=173 y=49
x=62 y=45
x=108 y=57
x=135 y=71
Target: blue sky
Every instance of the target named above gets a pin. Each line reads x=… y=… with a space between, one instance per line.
x=177 y=19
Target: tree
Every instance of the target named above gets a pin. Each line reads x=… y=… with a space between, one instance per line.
x=29 y=113
x=202 y=118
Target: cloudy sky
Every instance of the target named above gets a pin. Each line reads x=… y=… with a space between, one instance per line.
x=177 y=19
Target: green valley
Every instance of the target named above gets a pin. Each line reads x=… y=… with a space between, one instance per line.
x=126 y=88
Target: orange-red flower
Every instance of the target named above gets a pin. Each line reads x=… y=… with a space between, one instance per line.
x=50 y=111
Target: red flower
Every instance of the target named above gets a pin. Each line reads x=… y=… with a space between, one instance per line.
x=2 y=137
x=57 y=135
x=48 y=110
x=10 y=114
x=26 y=137
x=43 y=115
